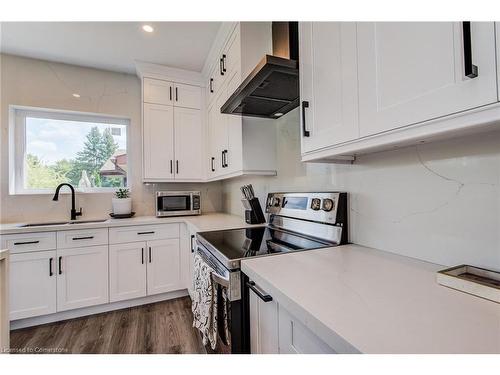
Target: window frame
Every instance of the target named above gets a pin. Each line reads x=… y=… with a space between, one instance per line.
x=17 y=144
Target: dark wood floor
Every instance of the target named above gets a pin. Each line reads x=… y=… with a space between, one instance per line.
x=164 y=327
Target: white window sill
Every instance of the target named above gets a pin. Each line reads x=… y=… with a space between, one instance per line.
x=66 y=190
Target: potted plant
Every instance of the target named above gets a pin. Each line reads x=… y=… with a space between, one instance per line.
x=122 y=204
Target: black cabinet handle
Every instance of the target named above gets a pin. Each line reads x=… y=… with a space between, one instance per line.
x=151 y=232
x=171 y=166
x=150 y=254
x=60 y=265
x=211 y=85
x=224 y=155
x=82 y=238
x=212 y=164
x=176 y=94
x=305 y=104
x=470 y=69
x=262 y=295
x=177 y=166
x=51 y=273
x=192 y=247
x=26 y=243
x=220 y=67
x=222 y=159
x=224 y=63
x=142 y=256
x=170 y=91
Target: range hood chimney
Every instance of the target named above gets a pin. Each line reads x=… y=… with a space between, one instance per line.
x=272 y=88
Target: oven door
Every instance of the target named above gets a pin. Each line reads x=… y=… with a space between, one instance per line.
x=171 y=204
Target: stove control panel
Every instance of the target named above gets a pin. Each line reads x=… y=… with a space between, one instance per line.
x=321 y=207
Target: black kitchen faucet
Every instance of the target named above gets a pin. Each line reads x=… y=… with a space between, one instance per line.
x=74 y=213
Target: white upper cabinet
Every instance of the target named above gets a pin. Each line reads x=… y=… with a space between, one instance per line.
x=188 y=144
x=373 y=86
x=410 y=72
x=157 y=91
x=158 y=142
x=328 y=83
x=187 y=96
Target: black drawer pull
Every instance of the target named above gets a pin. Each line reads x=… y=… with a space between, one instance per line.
x=142 y=256
x=211 y=85
x=176 y=94
x=212 y=162
x=150 y=257
x=152 y=232
x=82 y=238
x=60 y=265
x=224 y=63
x=51 y=273
x=26 y=243
x=170 y=90
x=264 y=297
x=470 y=69
x=192 y=247
x=305 y=104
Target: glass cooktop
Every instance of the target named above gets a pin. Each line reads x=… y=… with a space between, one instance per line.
x=249 y=242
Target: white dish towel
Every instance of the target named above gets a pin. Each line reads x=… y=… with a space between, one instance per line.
x=204 y=304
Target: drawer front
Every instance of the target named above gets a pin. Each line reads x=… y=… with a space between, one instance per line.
x=82 y=237
x=27 y=242
x=143 y=233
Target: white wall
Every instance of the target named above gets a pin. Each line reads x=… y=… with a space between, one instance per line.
x=45 y=84
x=437 y=202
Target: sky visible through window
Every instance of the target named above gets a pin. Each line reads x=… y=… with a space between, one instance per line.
x=85 y=154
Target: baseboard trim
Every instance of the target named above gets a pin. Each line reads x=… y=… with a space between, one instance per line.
x=91 y=310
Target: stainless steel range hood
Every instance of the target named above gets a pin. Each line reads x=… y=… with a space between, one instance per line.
x=272 y=88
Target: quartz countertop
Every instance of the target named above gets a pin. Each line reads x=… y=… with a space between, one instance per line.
x=200 y=223
x=377 y=302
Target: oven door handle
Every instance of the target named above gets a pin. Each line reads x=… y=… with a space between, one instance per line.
x=259 y=292
x=221 y=280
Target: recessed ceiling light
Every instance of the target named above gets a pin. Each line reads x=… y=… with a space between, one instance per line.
x=76 y=95
x=278 y=114
x=148 y=28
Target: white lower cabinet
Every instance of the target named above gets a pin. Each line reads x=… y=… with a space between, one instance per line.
x=82 y=277
x=164 y=266
x=263 y=326
x=127 y=271
x=32 y=284
x=274 y=330
x=144 y=268
x=295 y=338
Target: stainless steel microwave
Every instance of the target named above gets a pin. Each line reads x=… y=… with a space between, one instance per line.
x=178 y=203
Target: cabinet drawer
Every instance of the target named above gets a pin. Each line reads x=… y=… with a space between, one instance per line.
x=22 y=243
x=143 y=233
x=82 y=237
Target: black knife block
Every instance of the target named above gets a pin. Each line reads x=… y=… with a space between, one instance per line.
x=254 y=214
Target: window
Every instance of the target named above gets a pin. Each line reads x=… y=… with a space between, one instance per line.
x=50 y=147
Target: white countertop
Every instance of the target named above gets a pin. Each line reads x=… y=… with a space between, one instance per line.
x=205 y=222
x=377 y=301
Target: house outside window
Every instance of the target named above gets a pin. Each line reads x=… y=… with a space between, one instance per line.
x=49 y=147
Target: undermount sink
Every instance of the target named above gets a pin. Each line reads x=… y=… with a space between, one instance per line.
x=61 y=223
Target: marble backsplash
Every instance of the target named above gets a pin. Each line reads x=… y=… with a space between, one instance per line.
x=438 y=202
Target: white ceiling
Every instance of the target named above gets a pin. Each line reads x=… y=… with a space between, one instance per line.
x=111 y=45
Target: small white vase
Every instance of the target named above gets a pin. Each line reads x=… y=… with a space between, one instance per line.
x=122 y=206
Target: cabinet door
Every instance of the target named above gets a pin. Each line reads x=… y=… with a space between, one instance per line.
x=82 y=277
x=220 y=134
x=212 y=147
x=263 y=326
x=164 y=266
x=295 y=338
x=328 y=80
x=211 y=86
x=187 y=96
x=127 y=271
x=231 y=55
x=411 y=72
x=32 y=287
x=188 y=144
x=157 y=91
x=192 y=251
x=158 y=142
x=233 y=132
